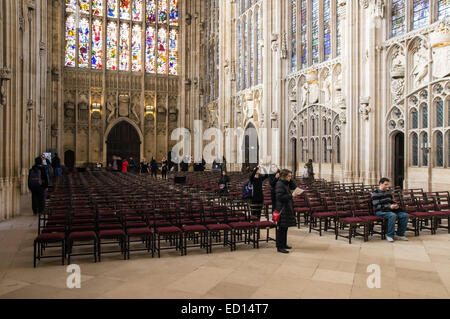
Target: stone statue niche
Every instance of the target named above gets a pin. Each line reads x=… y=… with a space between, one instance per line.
x=83 y=112
x=124 y=105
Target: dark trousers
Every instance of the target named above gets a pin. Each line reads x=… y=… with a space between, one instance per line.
x=282 y=237
x=38 y=200
x=164 y=174
x=154 y=173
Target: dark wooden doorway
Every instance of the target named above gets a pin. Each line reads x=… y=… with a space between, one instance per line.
x=399 y=159
x=250 y=150
x=123 y=141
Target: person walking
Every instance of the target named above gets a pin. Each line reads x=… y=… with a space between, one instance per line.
x=132 y=164
x=164 y=168
x=125 y=166
x=38 y=183
x=224 y=183
x=284 y=205
x=56 y=164
x=154 y=168
x=309 y=170
x=257 y=179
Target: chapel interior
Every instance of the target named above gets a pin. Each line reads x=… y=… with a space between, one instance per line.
x=360 y=87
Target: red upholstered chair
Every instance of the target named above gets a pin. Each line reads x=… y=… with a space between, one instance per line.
x=113 y=237
x=418 y=216
x=352 y=223
x=141 y=234
x=85 y=238
x=442 y=211
x=43 y=240
x=242 y=232
x=260 y=225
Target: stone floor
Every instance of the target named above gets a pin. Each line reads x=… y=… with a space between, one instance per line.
x=317 y=267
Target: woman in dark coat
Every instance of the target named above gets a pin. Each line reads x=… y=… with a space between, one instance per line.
x=285 y=205
x=257 y=182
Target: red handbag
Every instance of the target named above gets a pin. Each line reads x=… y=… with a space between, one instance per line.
x=276 y=216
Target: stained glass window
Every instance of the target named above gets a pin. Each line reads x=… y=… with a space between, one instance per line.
x=97 y=44
x=173 y=12
x=85 y=36
x=425 y=117
x=415 y=150
x=84 y=6
x=150 y=57
x=338 y=30
x=398 y=17
x=294 y=35
x=439 y=149
x=83 y=43
x=111 y=46
x=112 y=8
x=162 y=9
x=304 y=36
x=252 y=51
x=421 y=13
x=239 y=59
x=151 y=11
x=439 y=113
x=443 y=9
x=136 y=49
x=136 y=11
x=97 y=8
x=424 y=151
x=162 y=51
x=245 y=55
x=125 y=9
x=415 y=119
x=71 y=41
x=71 y=5
x=326 y=30
x=173 y=52
x=315 y=32
x=124 y=47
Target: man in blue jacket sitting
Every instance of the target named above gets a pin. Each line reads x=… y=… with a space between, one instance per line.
x=385 y=206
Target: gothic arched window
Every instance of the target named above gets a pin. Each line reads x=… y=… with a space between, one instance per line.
x=415 y=150
x=424 y=116
x=415 y=119
x=120 y=24
x=315 y=31
x=326 y=30
x=439 y=113
x=439 y=149
x=421 y=13
x=424 y=149
x=398 y=16
x=293 y=35
x=304 y=33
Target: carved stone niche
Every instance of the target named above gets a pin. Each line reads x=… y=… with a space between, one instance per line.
x=124 y=105
x=69 y=110
x=83 y=112
x=364 y=107
x=173 y=114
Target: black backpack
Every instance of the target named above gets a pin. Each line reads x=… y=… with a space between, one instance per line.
x=34 y=179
